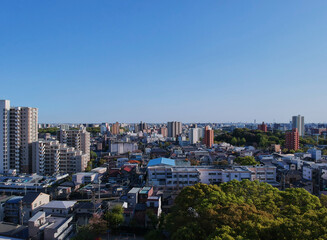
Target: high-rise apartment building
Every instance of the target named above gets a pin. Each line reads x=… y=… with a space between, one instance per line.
x=194 y=135
x=298 y=122
x=4 y=135
x=76 y=138
x=262 y=127
x=174 y=129
x=19 y=127
x=115 y=129
x=208 y=136
x=292 y=139
x=163 y=131
x=51 y=157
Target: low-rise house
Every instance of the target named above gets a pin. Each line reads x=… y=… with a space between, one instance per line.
x=59 y=208
x=132 y=197
x=46 y=227
x=84 y=211
x=32 y=203
x=12 y=210
x=144 y=194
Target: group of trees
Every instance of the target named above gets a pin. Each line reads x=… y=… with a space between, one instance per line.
x=99 y=225
x=244 y=136
x=246 y=161
x=52 y=131
x=244 y=210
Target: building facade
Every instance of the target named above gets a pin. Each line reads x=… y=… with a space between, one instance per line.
x=208 y=136
x=263 y=127
x=174 y=129
x=76 y=138
x=51 y=157
x=19 y=129
x=292 y=139
x=298 y=122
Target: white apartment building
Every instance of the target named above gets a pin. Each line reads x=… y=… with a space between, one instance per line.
x=19 y=129
x=51 y=157
x=194 y=135
x=172 y=177
x=76 y=138
x=176 y=177
x=4 y=135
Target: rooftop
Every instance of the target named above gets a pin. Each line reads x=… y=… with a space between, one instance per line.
x=161 y=161
x=59 y=204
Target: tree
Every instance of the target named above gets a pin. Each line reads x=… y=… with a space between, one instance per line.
x=246 y=160
x=98 y=225
x=114 y=217
x=246 y=210
x=84 y=233
x=234 y=141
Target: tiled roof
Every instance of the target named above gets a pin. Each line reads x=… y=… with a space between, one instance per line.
x=30 y=197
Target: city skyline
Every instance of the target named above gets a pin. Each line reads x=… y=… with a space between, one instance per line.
x=187 y=61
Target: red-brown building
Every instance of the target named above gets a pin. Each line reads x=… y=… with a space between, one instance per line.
x=292 y=139
x=208 y=136
x=262 y=127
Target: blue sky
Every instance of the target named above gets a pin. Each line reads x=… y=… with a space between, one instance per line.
x=155 y=61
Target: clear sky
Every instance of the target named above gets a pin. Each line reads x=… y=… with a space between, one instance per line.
x=192 y=61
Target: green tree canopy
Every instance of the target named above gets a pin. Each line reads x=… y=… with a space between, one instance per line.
x=246 y=210
x=246 y=160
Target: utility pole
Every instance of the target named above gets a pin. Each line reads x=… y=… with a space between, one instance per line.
x=99 y=190
x=21 y=212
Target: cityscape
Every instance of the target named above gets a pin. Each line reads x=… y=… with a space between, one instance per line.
x=163 y=120
x=57 y=178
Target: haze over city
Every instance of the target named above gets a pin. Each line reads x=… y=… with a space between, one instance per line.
x=127 y=61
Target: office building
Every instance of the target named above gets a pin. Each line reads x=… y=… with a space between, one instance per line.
x=174 y=129
x=76 y=138
x=208 y=136
x=298 y=122
x=292 y=139
x=19 y=129
x=262 y=127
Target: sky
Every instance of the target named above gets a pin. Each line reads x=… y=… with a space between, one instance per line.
x=157 y=61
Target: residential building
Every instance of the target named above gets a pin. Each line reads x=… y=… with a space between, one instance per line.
x=59 y=208
x=292 y=139
x=315 y=154
x=122 y=147
x=208 y=137
x=51 y=157
x=31 y=204
x=174 y=129
x=194 y=135
x=4 y=136
x=298 y=122
x=262 y=127
x=43 y=227
x=115 y=129
x=76 y=138
x=13 y=210
x=132 y=197
x=19 y=129
x=163 y=131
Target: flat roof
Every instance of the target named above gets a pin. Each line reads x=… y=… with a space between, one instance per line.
x=134 y=190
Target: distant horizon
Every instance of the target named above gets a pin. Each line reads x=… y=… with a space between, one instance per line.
x=215 y=61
